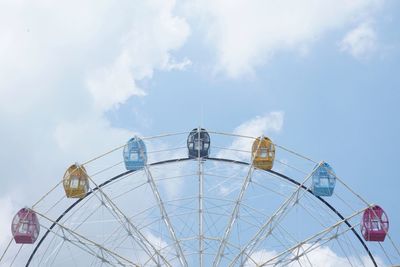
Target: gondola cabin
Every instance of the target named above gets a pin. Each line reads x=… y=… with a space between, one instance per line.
x=76 y=181
x=198 y=143
x=25 y=227
x=323 y=180
x=135 y=154
x=263 y=153
x=374 y=224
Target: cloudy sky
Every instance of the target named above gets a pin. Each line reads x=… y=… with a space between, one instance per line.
x=78 y=78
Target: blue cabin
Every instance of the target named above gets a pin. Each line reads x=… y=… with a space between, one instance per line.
x=198 y=143
x=323 y=180
x=135 y=154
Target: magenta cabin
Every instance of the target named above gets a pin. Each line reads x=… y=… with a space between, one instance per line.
x=375 y=224
x=25 y=227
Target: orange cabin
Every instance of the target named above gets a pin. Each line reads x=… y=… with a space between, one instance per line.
x=263 y=153
x=76 y=181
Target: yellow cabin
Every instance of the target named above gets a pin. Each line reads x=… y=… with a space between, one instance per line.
x=76 y=181
x=263 y=153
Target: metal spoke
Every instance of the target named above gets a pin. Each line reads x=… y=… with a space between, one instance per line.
x=274 y=218
x=200 y=198
x=81 y=237
x=132 y=230
x=233 y=217
x=165 y=217
x=201 y=211
x=320 y=236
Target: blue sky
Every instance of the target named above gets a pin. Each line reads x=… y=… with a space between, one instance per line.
x=90 y=75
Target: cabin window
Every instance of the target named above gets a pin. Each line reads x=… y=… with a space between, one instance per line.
x=324 y=181
x=376 y=226
x=74 y=182
x=23 y=228
x=134 y=156
x=263 y=152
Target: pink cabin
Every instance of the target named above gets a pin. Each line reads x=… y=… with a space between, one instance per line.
x=25 y=227
x=375 y=224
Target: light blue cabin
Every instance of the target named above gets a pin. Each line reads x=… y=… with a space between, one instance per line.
x=135 y=154
x=323 y=180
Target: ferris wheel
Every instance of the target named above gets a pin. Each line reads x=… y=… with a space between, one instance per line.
x=201 y=198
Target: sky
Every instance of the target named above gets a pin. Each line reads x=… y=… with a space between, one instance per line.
x=79 y=78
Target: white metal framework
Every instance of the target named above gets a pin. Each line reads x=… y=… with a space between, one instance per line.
x=214 y=211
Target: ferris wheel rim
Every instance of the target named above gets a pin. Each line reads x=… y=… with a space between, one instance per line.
x=283 y=176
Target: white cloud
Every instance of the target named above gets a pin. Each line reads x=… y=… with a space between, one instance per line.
x=260 y=257
x=360 y=42
x=92 y=135
x=147 y=46
x=269 y=123
x=322 y=256
x=49 y=53
x=61 y=68
x=114 y=85
x=7 y=209
x=182 y=65
x=117 y=44
x=245 y=34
